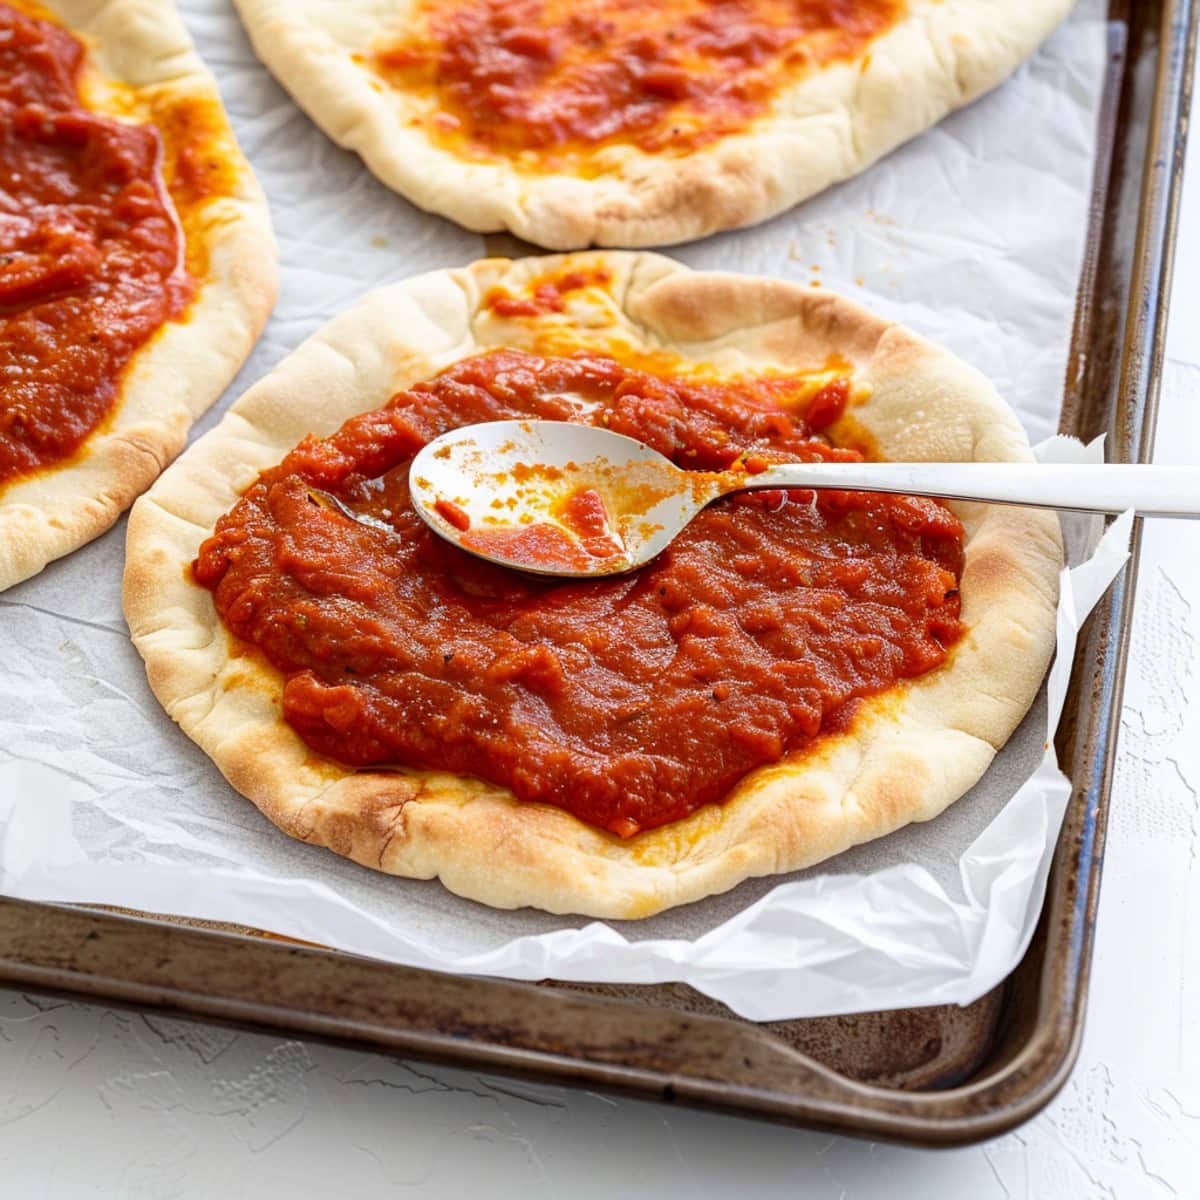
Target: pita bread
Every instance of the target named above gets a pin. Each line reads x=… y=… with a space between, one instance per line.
x=909 y=752
x=141 y=66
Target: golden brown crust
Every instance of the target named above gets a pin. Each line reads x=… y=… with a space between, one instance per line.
x=909 y=754
x=830 y=125
x=141 y=64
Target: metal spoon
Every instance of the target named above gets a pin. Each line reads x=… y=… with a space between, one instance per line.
x=503 y=490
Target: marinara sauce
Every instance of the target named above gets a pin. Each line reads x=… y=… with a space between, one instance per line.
x=534 y=75
x=628 y=701
x=90 y=249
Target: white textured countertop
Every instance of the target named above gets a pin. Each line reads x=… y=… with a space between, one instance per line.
x=100 y=1103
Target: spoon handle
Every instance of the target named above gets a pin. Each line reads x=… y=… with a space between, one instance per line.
x=1102 y=487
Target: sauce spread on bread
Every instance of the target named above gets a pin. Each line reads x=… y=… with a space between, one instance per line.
x=91 y=252
x=629 y=701
x=545 y=78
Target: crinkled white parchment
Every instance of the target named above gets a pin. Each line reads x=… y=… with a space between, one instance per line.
x=972 y=235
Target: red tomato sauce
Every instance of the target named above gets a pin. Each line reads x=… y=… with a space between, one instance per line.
x=583 y=536
x=537 y=75
x=537 y=545
x=584 y=513
x=629 y=701
x=90 y=249
x=545 y=295
x=449 y=511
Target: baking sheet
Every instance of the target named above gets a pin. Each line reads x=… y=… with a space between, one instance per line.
x=972 y=235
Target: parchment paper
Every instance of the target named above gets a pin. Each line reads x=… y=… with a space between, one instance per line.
x=972 y=235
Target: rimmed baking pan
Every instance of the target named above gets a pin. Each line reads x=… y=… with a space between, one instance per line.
x=938 y=1075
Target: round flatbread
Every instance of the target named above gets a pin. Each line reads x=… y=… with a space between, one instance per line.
x=909 y=751
x=140 y=67
x=614 y=123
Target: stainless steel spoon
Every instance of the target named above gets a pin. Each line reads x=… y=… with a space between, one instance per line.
x=503 y=490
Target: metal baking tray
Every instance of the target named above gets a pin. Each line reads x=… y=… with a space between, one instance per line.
x=939 y=1075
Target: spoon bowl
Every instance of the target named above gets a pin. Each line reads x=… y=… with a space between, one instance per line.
x=510 y=492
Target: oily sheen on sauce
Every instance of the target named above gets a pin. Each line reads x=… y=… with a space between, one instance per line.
x=90 y=249
x=628 y=701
